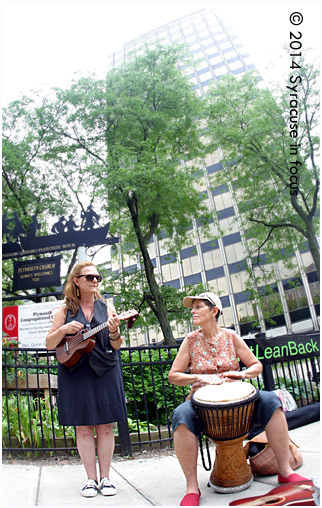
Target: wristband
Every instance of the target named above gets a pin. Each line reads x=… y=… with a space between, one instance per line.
x=117 y=338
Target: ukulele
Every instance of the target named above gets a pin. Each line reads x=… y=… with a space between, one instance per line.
x=291 y=494
x=72 y=347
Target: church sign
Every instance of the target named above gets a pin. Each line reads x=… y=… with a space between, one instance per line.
x=36 y=273
x=29 y=324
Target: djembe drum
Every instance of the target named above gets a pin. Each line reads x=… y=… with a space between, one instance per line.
x=226 y=412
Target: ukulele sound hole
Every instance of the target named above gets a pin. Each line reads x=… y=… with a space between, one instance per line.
x=273 y=501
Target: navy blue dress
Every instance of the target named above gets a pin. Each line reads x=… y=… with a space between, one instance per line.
x=92 y=392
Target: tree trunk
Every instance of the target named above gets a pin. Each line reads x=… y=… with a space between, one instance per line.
x=309 y=232
x=155 y=300
x=313 y=245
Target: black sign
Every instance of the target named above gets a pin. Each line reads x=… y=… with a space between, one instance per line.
x=285 y=347
x=67 y=235
x=36 y=273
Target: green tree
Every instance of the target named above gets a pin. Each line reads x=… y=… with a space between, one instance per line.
x=135 y=133
x=31 y=185
x=252 y=126
x=129 y=289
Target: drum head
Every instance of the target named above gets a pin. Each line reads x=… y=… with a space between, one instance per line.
x=227 y=392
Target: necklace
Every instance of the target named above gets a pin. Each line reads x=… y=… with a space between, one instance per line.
x=87 y=316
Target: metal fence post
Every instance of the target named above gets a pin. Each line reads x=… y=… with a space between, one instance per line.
x=268 y=377
x=267 y=373
x=315 y=375
x=125 y=440
x=123 y=428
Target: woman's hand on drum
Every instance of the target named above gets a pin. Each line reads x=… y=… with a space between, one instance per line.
x=202 y=380
x=209 y=379
x=233 y=375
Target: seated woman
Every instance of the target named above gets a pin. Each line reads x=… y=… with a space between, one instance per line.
x=210 y=353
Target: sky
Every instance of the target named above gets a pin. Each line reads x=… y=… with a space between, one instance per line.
x=45 y=43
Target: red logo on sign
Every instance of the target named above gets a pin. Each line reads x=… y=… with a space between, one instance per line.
x=10 y=321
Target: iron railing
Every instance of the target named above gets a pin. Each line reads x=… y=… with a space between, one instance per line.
x=29 y=392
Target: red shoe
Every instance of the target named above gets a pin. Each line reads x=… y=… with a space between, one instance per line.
x=191 y=499
x=294 y=477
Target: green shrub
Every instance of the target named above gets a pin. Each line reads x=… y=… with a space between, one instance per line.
x=147 y=389
x=31 y=420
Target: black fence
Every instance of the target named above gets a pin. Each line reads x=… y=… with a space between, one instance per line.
x=29 y=393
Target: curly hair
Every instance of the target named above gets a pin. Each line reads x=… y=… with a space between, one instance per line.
x=71 y=298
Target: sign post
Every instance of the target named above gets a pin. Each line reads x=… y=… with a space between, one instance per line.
x=81 y=254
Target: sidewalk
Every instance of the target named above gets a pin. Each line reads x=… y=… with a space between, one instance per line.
x=156 y=481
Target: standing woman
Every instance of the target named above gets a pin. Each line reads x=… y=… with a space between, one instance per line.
x=91 y=393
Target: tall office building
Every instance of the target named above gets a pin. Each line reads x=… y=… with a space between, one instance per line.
x=222 y=266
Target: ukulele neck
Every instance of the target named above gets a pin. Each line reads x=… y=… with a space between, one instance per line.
x=94 y=331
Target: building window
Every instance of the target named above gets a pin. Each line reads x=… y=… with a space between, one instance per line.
x=205 y=76
x=190 y=266
x=203 y=33
x=235 y=252
x=296 y=298
x=308 y=261
x=246 y=312
x=193 y=80
x=239 y=281
x=220 y=285
x=225 y=45
x=177 y=36
x=216 y=60
x=170 y=272
x=191 y=38
x=220 y=71
x=212 y=259
x=229 y=225
x=194 y=47
x=236 y=65
x=226 y=319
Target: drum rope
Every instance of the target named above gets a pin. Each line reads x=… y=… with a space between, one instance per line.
x=202 y=454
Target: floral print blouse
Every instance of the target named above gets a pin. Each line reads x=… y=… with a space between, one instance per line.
x=212 y=358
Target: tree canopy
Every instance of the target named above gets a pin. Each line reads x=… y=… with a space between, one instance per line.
x=131 y=144
x=129 y=140
x=270 y=144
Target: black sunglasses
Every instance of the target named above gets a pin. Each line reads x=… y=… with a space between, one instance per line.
x=90 y=277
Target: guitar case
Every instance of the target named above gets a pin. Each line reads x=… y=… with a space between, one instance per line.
x=290 y=494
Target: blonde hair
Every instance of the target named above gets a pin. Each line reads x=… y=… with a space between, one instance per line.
x=71 y=298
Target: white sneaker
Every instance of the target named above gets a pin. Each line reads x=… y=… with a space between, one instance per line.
x=90 y=489
x=106 y=487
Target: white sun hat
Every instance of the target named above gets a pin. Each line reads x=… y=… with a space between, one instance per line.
x=211 y=297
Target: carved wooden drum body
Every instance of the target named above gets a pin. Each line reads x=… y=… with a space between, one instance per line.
x=226 y=413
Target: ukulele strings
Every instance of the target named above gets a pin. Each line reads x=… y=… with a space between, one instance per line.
x=83 y=336
x=76 y=340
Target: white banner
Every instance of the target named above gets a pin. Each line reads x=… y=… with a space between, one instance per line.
x=32 y=322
